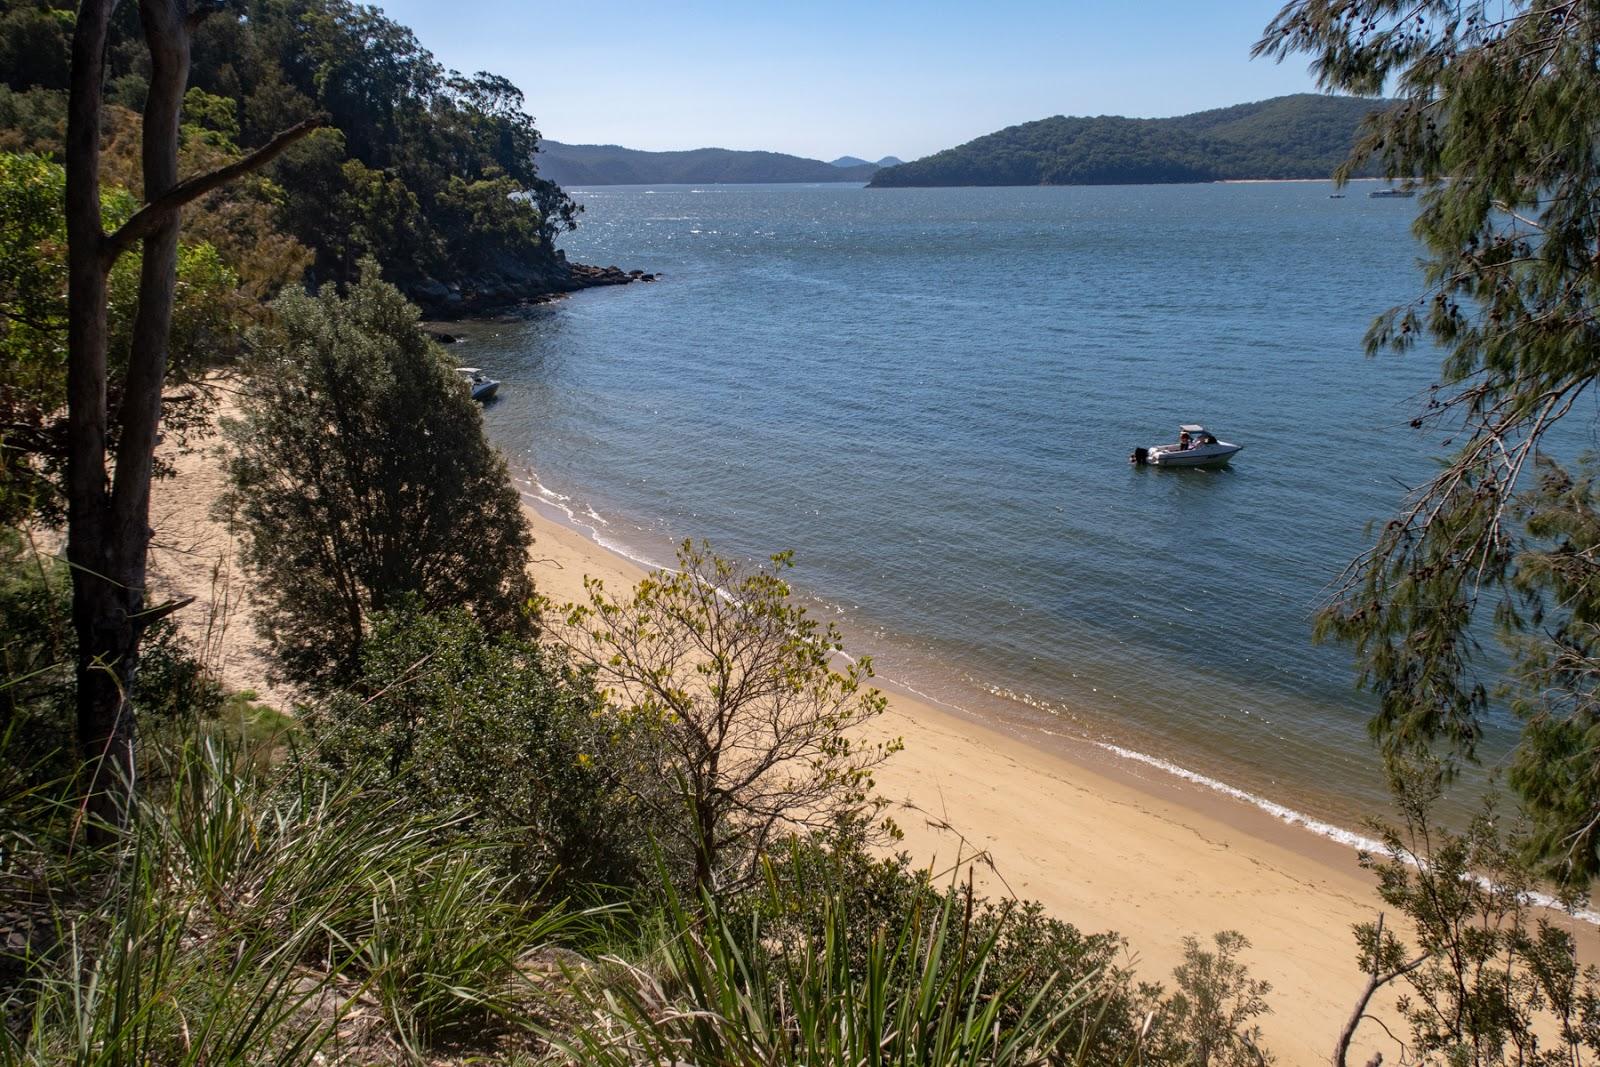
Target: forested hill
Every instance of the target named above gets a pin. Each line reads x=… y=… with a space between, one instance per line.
x=431 y=172
x=1300 y=136
x=609 y=164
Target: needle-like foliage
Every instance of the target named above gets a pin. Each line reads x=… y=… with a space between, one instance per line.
x=1496 y=125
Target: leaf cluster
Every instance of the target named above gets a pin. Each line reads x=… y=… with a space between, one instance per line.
x=503 y=731
x=33 y=331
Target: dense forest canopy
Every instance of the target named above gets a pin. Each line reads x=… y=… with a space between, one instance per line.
x=1300 y=136
x=609 y=164
x=430 y=171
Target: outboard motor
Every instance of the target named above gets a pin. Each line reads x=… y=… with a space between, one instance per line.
x=1139 y=457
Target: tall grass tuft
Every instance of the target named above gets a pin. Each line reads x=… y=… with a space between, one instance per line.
x=723 y=995
x=254 y=916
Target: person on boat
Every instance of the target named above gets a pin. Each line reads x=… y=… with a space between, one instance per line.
x=1183 y=441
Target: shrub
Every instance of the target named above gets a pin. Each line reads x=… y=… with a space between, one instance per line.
x=245 y=916
x=362 y=481
x=921 y=997
x=1488 y=978
x=811 y=877
x=503 y=731
x=755 y=726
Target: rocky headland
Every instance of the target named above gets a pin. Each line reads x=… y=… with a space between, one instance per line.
x=514 y=283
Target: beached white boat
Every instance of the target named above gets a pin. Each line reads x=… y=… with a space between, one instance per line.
x=1195 y=447
x=481 y=384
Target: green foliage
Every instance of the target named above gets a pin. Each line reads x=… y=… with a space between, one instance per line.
x=361 y=482
x=1301 y=136
x=500 y=729
x=33 y=120
x=922 y=998
x=35 y=45
x=1493 y=122
x=1208 y=1019
x=805 y=877
x=33 y=330
x=1556 y=640
x=412 y=133
x=406 y=136
x=737 y=681
x=1494 y=978
x=251 y=916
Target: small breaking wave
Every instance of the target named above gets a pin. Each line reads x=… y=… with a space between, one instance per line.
x=1282 y=812
x=587 y=520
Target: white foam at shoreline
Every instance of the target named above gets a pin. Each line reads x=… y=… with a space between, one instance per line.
x=1349 y=838
x=543 y=494
x=1285 y=814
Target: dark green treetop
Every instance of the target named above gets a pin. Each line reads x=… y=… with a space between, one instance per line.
x=362 y=482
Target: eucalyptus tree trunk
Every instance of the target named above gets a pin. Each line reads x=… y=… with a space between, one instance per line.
x=108 y=510
x=103 y=625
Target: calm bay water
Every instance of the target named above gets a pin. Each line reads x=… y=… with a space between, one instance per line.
x=930 y=395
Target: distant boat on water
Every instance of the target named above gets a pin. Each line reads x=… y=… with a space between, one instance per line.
x=1389 y=194
x=1195 y=447
x=483 y=387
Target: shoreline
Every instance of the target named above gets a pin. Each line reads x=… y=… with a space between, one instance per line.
x=1325 y=835
x=1100 y=845
x=1100 y=841
x=1249 y=812
x=1105 y=838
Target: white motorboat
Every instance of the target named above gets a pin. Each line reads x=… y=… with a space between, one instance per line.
x=481 y=384
x=1195 y=447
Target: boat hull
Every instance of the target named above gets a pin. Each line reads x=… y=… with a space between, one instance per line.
x=484 y=391
x=1216 y=455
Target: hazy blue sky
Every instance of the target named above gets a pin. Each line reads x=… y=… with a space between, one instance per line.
x=831 y=78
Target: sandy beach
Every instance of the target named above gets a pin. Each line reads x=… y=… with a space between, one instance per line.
x=1102 y=846
x=1102 y=842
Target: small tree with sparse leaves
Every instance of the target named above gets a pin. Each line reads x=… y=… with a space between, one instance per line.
x=1488 y=976
x=754 y=721
x=1208 y=1019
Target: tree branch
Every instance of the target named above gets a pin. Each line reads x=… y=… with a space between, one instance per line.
x=149 y=218
x=1376 y=979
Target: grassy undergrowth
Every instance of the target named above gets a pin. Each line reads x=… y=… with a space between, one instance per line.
x=254 y=913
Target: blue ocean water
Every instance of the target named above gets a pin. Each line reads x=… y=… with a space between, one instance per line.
x=930 y=395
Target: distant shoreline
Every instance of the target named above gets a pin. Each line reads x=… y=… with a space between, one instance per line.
x=1288 y=181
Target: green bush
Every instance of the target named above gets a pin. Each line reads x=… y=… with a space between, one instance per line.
x=251 y=916
x=505 y=732
x=361 y=481
x=1028 y=949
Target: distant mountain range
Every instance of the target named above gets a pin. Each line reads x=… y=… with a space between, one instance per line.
x=594 y=164
x=1300 y=136
x=857 y=161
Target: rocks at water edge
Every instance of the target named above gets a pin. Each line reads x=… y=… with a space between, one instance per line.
x=512 y=283
x=596 y=276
